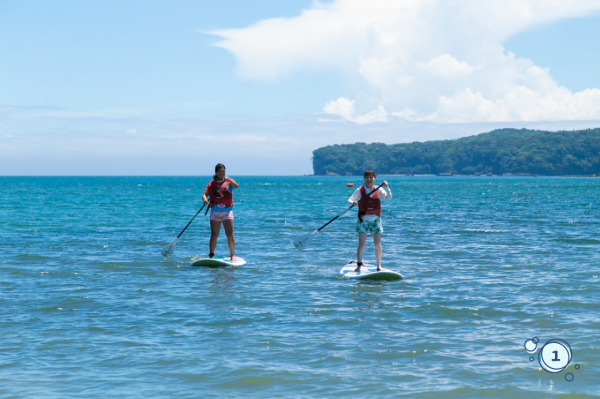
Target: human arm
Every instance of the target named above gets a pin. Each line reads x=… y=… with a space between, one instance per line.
x=385 y=192
x=208 y=192
x=353 y=200
x=232 y=182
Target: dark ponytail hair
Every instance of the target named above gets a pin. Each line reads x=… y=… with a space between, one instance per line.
x=219 y=166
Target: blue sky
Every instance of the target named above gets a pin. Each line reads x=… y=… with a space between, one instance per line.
x=172 y=88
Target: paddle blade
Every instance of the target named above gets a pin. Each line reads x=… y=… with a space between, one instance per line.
x=302 y=242
x=169 y=248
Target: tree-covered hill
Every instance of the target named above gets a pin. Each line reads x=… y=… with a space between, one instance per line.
x=498 y=152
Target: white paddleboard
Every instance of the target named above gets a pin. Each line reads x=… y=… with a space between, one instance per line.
x=219 y=261
x=369 y=272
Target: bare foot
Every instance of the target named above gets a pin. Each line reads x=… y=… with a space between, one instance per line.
x=357 y=270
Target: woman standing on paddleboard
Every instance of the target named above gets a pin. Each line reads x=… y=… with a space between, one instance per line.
x=369 y=215
x=221 y=204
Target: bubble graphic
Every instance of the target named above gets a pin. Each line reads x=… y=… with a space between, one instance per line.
x=536 y=339
x=569 y=377
x=530 y=345
x=577 y=366
x=531 y=358
x=555 y=355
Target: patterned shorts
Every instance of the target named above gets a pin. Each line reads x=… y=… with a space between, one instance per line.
x=220 y=216
x=369 y=227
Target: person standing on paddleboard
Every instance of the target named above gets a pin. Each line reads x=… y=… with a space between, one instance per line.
x=369 y=215
x=221 y=204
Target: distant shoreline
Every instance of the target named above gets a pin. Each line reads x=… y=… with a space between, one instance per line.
x=457 y=175
x=313 y=175
x=502 y=152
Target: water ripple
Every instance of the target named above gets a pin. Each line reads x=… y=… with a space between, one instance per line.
x=90 y=309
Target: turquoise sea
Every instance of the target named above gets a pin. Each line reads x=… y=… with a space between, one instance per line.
x=89 y=308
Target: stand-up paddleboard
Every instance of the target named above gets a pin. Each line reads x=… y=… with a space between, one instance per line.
x=219 y=261
x=369 y=272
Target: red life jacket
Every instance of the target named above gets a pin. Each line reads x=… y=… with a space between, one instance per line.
x=371 y=205
x=222 y=196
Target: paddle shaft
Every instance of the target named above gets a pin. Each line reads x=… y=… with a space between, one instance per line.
x=200 y=210
x=351 y=206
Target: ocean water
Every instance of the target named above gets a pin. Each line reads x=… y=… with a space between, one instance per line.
x=89 y=308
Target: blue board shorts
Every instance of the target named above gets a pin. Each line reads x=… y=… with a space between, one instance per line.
x=365 y=227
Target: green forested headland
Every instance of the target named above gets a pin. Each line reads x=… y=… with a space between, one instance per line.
x=504 y=151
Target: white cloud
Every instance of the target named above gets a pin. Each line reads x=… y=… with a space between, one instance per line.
x=432 y=60
x=345 y=108
x=445 y=65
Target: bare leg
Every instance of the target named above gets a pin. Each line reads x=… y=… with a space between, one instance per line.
x=215 y=226
x=228 y=226
x=378 y=249
x=360 y=251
